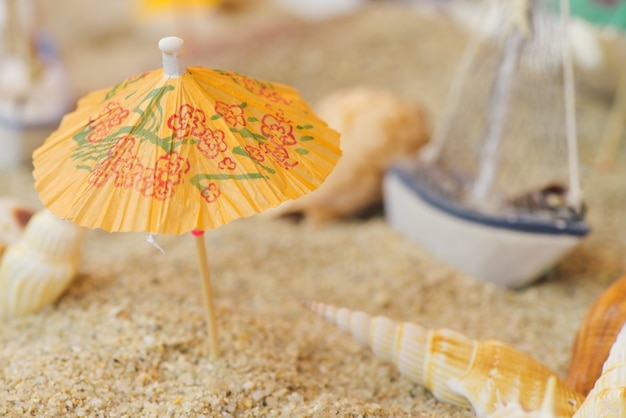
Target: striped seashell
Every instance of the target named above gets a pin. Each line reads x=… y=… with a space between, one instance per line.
x=596 y=336
x=608 y=396
x=37 y=269
x=14 y=216
x=547 y=410
x=484 y=375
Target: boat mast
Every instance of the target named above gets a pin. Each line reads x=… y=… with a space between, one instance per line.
x=519 y=30
x=432 y=151
x=574 y=196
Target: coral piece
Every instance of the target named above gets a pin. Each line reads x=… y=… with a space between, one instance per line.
x=486 y=375
x=596 y=335
x=608 y=396
x=376 y=129
x=37 y=269
x=14 y=215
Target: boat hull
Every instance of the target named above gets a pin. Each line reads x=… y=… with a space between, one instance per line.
x=492 y=250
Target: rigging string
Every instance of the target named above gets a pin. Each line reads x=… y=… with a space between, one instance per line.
x=574 y=196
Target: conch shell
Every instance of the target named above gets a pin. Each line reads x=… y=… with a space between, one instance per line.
x=37 y=269
x=603 y=321
x=14 y=215
x=485 y=375
x=377 y=128
x=608 y=396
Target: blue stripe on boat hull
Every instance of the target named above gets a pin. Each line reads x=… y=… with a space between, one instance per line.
x=518 y=223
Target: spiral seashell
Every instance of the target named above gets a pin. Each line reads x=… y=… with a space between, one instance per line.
x=37 y=269
x=608 y=396
x=485 y=375
x=596 y=335
x=547 y=409
x=14 y=216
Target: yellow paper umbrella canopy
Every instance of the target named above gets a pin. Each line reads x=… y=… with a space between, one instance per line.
x=164 y=153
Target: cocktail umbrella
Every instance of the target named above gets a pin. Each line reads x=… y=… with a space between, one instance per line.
x=183 y=149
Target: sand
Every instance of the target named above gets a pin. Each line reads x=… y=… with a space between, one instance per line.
x=128 y=338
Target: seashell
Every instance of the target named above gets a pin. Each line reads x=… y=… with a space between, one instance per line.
x=608 y=396
x=547 y=410
x=37 y=269
x=377 y=127
x=485 y=375
x=596 y=335
x=14 y=215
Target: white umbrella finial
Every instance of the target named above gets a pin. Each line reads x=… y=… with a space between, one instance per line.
x=171 y=47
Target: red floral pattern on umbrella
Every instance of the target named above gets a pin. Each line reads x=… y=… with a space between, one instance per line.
x=188 y=121
x=233 y=114
x=212 y=143
x=111 y=116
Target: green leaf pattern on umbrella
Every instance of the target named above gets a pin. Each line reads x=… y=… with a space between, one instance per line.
x=108 y=150
x=98 y=137
x=123 y=84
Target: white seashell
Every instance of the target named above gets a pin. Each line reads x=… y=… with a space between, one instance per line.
x=38 y=268
x=14 y=216
x=608 y=396
x=516 y=410
x=485 y=375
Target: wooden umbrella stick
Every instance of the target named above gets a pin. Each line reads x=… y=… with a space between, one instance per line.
x=214 y=350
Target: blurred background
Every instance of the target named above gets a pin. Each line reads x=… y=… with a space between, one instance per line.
x=317 y=46
x=403 y=45
x=410 y=48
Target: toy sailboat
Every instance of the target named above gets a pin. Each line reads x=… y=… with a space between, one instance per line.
x=34 y=87
x=496 y=193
